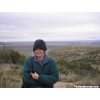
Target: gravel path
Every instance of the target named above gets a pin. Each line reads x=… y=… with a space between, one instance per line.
x=63 y=85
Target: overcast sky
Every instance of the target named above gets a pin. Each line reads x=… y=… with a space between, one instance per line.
x=49 y=26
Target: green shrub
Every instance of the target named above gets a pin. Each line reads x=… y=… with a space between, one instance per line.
x=11 y=56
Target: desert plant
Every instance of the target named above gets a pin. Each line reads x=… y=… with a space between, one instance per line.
x=11 y=56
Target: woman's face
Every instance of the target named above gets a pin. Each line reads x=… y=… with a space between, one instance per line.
x=39 y=53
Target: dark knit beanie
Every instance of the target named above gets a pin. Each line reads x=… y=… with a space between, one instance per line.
x=39 y=44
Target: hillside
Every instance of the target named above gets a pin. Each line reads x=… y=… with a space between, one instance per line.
x=76 y=52
x=79 y=65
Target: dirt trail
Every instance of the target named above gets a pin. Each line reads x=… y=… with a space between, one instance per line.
x=63 y=85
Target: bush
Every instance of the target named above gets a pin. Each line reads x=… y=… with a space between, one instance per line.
x=16 y=57
x=11 y=56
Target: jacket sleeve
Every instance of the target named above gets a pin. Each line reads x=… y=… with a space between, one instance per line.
x=26 y=69
x=53 y=76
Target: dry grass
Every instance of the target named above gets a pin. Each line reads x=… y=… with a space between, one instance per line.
x=10 y=77
x=63 y=85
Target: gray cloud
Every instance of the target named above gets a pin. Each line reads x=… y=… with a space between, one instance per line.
x=49 y=26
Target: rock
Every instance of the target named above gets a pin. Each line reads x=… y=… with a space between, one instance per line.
x=63 y=85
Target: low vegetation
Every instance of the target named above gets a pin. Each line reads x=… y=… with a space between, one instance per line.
x=11 y=56
x=11 y=62
x=79 y=64
x=10 y=76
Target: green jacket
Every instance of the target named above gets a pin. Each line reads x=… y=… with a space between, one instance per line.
x=48 y=72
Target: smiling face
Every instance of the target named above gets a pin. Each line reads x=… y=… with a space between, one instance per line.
x=39 y=53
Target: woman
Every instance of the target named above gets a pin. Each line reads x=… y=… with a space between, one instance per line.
x=40 y=71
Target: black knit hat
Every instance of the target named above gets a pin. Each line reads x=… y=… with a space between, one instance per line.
x=39 y=44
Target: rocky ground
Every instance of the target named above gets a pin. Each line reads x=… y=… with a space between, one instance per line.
x=63 y=85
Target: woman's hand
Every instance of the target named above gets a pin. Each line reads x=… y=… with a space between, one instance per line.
x=35 y=75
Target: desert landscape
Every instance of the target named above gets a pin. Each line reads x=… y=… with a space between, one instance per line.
x=78 y=62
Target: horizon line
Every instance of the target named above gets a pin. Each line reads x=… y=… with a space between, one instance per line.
x=52 y=41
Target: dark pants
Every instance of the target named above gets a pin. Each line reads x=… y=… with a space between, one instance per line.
x=27 y=84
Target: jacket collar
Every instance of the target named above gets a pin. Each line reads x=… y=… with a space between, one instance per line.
x=46 y=59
